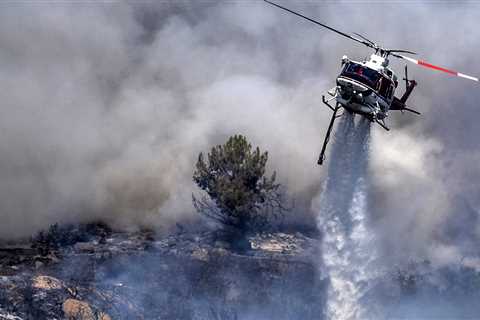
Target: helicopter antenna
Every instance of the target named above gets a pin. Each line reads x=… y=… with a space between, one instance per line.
x=366 y=42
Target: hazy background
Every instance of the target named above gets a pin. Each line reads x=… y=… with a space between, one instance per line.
x=105 y=107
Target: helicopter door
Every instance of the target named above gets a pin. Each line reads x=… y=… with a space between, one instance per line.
x=385 y=88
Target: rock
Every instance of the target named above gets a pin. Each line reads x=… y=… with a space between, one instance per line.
x=46 y=282
x=77 y=310
x=38 y=264
x=8 y=316
x=103 y=316
x=200 y=254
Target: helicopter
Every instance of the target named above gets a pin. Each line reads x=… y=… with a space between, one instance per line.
x=368 y=87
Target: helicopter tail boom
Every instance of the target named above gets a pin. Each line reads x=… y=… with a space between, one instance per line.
x=434 y=67
x=399 y=104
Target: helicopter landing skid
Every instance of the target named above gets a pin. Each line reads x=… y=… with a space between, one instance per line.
x=330 y=127
x=381 y=123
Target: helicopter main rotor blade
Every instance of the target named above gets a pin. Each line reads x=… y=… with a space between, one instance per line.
x=434 y=67
x=401 y=51
x=368 y=44
x=365 y=38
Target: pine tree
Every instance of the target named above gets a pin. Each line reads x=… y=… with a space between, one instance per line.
x=241 y=198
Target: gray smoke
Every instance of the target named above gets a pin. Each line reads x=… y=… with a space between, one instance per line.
x=106 y=106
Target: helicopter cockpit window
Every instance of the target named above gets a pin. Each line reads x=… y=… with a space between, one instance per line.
x=361 y=74
x=369 y=77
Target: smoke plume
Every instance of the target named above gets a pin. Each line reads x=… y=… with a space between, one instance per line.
x=105 y=108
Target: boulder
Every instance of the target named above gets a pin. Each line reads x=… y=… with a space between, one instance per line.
x=77 y=310
x=46 y=283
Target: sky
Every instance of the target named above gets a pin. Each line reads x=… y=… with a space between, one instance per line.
x=105 y=107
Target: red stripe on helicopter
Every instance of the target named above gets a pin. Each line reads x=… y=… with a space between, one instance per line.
x=428 y=65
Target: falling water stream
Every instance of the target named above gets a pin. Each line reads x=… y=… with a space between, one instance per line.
x=348 y=244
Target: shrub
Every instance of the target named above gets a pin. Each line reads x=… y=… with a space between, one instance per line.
x=241 y=198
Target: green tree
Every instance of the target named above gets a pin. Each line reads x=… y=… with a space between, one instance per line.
x=241 y=198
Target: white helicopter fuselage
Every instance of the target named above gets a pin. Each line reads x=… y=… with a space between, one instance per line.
x=366 y=88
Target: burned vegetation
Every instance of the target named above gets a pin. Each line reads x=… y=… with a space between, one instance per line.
x=138 y=275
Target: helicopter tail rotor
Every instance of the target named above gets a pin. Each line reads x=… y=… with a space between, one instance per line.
x=434 y=67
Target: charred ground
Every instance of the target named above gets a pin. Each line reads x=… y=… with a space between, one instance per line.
x=138 y=276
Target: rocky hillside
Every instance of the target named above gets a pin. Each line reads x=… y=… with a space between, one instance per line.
x=113 y=275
